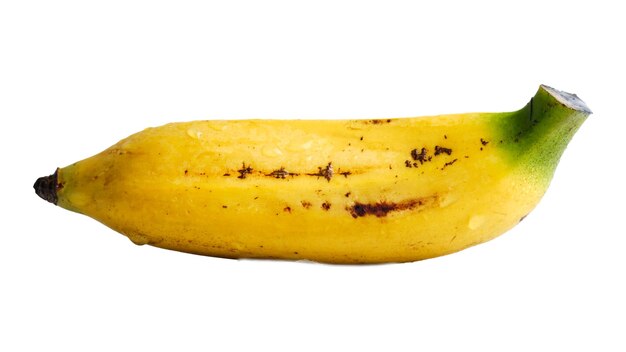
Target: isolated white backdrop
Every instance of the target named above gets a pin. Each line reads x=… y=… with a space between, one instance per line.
x=77 y=76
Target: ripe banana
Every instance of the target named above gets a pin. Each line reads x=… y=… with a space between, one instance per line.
x=347 y=191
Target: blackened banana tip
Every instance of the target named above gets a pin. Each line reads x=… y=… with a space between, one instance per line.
x=46 y=187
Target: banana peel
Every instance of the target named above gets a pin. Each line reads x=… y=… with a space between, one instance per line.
x=334 y=191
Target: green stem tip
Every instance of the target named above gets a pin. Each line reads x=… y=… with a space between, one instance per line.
x=570 y=100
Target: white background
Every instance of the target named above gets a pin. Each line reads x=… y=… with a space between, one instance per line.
x=77 y=76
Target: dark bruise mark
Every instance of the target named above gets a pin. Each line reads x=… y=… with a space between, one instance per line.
x=47 y=187
x=483 y=142
x=245 y=170
x=347 y=194
x=305 y=204
x=445 y=136
x=257 y=197
x=224 y=206
x=420 y=156
x=377 y=121
x=287 y=209
x=361 y=138
x=449 y=163
x=407 y=163
x=281 y=173
x=226 y=174
x=186 y=172
x=523 y=217
x=326 y=206
x=442 y=150
x=325 y=172
x=381 y=209
x=467 y=157
x=345 y=173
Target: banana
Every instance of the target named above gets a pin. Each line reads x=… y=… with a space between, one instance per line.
x=334 y=191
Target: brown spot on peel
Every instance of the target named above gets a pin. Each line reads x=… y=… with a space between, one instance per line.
x=325 y=172
x=245 y=170
x=381 y=209
x=419 y=156
x=377 y=121
x=281 y=173
x=442 y=150
x=449 y=163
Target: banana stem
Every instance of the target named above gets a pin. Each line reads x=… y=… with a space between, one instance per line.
x=570 y=100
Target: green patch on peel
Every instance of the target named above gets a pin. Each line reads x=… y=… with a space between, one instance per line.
x=536 y=136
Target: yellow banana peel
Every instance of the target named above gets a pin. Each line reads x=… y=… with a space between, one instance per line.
x=335 y=191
